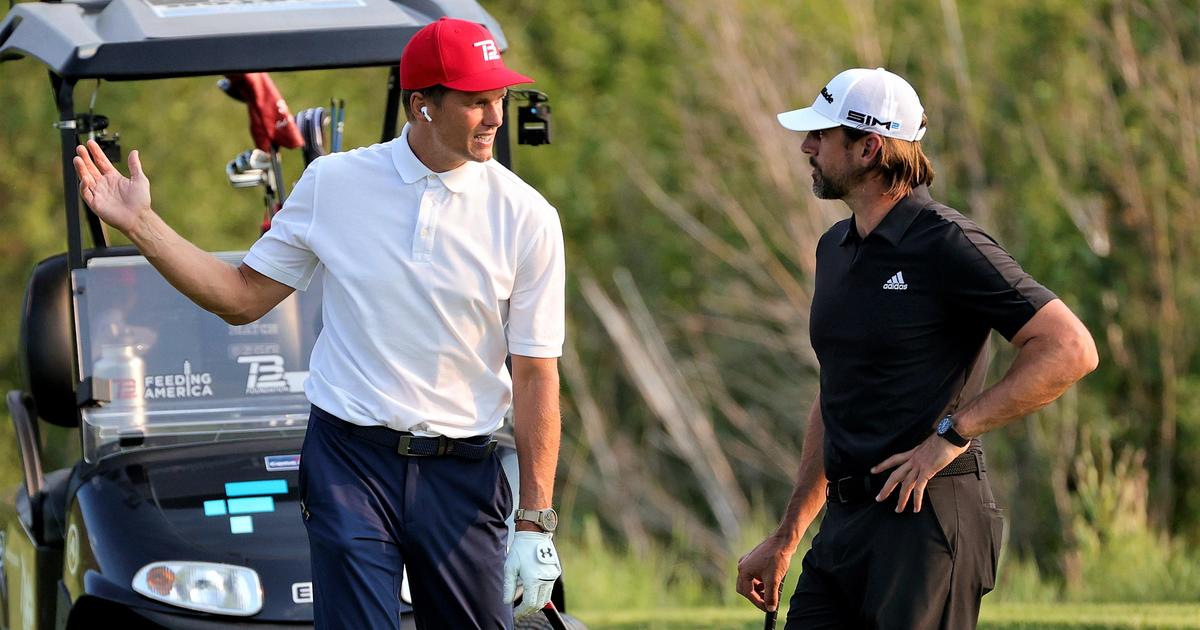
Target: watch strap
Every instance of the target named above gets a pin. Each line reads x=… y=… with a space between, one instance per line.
x=947 y=432
x=539 y=518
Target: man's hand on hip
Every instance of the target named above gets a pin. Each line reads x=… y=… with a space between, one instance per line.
x=761 y=572
x=533 y=560
x=915 y=468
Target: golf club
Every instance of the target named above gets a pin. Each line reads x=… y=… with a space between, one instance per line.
x=311 y=123
x=772 y=615
x=555 y=619
x=338 y=123
x=248 y=169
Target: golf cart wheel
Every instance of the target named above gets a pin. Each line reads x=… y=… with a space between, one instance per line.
x=538 y=621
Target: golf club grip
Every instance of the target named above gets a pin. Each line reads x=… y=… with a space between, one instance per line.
x=556 y=620
x=773 y=615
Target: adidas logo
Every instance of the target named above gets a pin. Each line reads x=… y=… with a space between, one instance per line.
x=896 y=282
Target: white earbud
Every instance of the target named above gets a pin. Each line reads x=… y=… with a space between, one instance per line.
x=425 y=113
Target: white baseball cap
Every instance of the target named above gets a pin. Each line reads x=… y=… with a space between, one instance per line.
x=872 y=100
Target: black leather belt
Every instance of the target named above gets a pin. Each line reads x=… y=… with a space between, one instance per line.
x=409 y=445
x=860 y=488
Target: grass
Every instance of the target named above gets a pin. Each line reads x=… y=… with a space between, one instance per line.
x=1000 y=616
x=1011 y=616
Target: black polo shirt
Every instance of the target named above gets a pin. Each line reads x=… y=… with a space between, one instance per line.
x=900 y=321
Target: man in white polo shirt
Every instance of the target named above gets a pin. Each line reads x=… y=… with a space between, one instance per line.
x=439 y=263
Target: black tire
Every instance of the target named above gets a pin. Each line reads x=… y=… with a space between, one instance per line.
x=538 y=621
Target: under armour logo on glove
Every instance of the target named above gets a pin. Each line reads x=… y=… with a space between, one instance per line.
x=533 y=562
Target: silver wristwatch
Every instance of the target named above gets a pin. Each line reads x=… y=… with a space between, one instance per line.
x=546 y=519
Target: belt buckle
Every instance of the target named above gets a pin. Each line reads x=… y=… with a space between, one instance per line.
x=833 y=490
x=404 y=447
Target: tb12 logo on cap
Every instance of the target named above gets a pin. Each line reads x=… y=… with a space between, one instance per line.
x=489 y=50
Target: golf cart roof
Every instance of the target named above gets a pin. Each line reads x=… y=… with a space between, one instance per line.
x=146 y=39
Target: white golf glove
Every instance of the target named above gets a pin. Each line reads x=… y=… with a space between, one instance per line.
x=532 y=559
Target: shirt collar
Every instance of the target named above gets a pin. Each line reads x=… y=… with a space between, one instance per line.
x=897 y=221
x=412 y=170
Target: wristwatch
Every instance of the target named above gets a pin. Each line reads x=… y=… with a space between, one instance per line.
x=547 y=519
x=945 y=429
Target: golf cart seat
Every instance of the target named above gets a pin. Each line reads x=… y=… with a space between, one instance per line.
x=46 y=350
x=47 y=331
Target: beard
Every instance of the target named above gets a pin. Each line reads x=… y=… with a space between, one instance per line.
x=827 y=186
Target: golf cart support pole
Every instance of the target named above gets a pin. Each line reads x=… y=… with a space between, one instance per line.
x=64 y=92
x=503 y=142
x=391 y=108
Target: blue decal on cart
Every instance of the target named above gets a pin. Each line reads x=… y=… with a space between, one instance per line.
x=239 y=506
x=251 y=505
x=246 y=488
x=241 y=525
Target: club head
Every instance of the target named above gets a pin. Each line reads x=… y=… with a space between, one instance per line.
x=260 y=159
x=244 y=172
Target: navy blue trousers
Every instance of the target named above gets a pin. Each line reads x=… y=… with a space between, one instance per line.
x=370 y=513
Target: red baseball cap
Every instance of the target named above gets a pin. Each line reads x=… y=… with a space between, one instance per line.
x=458 y=54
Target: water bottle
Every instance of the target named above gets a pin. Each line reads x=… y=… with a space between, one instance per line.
x=126 y=373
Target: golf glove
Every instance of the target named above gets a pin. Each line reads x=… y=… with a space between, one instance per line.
x=533 y=560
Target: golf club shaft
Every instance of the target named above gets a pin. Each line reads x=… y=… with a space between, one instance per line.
x=555 y=619
x=277 y=171
x=339 y=124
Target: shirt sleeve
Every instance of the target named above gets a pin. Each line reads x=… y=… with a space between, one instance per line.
x=537 y=310
x=984 y=283
x=283 y=253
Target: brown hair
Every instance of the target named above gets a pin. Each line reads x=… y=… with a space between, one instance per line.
x=902 y=164
x=433 y=93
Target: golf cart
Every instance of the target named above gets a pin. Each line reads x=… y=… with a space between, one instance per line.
x=182 y=511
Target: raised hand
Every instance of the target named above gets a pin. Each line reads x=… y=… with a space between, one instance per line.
x=118 y=200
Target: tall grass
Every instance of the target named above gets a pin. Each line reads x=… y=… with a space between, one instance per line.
x=604 y=574
x=1118 y=555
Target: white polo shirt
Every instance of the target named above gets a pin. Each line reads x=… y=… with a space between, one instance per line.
x=431 y=280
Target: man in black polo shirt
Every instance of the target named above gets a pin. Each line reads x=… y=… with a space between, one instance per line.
x=907 y=293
